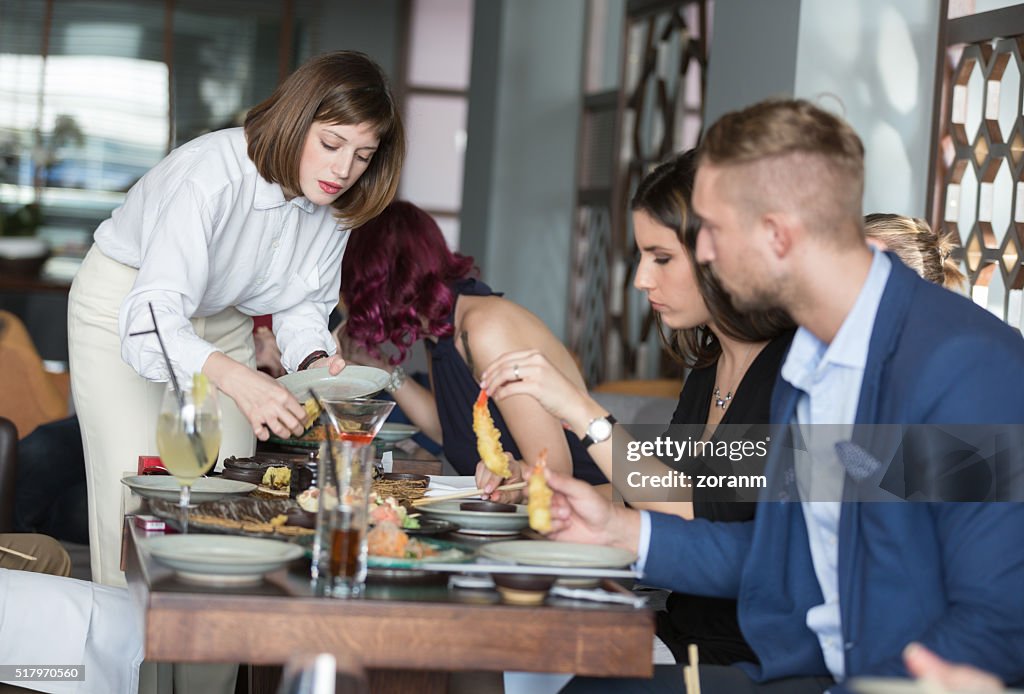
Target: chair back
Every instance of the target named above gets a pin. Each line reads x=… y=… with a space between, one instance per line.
x=30 y=395
x=8 y=473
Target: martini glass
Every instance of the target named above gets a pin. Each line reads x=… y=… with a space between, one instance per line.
x=344 y=516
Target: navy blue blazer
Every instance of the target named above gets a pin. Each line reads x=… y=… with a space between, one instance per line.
x=950 y=575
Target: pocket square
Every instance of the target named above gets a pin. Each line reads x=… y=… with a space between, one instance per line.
x=858 y=463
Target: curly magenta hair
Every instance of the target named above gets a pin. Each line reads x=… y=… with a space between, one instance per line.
x=396 y=280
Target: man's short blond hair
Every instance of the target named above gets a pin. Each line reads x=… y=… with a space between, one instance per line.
x=792 y=155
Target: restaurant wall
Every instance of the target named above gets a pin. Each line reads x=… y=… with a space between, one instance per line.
x=753 y=54
x=874 y=61
x=375 y=28
x=525 y=100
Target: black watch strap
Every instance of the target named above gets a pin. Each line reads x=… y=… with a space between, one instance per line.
x=586 y=439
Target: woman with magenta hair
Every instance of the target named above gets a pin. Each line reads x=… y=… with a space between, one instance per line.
x=401 y=283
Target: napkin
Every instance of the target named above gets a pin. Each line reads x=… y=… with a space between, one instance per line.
x=445 y=484
x=598 y=595
x=387 y=462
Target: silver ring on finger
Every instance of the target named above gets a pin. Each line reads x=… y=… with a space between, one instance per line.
x=515 y=372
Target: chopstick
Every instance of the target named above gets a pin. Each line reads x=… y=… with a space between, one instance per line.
x=690 y=674
x=16 y=553
x=467 y=494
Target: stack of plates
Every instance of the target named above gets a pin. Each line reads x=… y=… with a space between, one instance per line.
x=477 y=522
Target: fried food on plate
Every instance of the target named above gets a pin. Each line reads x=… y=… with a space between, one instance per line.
x=538 y=505
x=488 y=439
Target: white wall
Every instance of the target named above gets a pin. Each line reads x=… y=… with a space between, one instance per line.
x=873 y=61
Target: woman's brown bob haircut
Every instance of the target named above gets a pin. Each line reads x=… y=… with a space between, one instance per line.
x=342 y=88
x=665 y=195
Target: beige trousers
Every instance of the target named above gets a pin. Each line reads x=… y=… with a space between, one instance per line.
x=118 y=408
x=50 y=557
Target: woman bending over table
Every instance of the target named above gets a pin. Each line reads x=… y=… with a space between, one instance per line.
x=233 y=224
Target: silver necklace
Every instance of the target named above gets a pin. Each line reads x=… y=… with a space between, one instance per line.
x=721 y=401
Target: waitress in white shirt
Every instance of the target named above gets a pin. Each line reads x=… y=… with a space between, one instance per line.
x=233 y=224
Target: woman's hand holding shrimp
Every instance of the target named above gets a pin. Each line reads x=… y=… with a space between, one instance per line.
x=488 y=481
x=269 y=406
x=528 y=372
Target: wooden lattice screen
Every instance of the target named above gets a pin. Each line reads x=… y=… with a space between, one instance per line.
x=978 y=153
x=656 y=112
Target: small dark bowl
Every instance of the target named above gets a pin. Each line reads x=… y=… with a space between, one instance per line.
x=405 y=477
x=233 y=463
x=523 y=589
x=244 y=469
x=301 y=518
x=487 y=507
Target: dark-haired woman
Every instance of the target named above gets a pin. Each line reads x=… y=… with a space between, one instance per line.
x=233 y=224
x=734 y=360
x=401 y=284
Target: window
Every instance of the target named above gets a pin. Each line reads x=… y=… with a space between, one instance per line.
x=437 y=79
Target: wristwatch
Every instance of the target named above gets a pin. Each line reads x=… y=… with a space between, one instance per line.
x=598 y=430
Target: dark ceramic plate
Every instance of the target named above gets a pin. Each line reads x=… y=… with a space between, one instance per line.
x=487 y=507
x=236 y=514
x=431 y=526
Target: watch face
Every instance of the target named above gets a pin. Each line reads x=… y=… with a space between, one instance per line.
x=599 y=430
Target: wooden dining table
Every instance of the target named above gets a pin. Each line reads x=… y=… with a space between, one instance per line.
x=408 y=636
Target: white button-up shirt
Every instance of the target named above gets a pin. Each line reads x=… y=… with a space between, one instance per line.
x=207 y=233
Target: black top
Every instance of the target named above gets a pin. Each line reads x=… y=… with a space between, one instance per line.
x=455 y=392
x=711 y=623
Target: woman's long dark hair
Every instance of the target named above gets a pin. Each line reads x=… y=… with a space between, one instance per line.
x=665 y=194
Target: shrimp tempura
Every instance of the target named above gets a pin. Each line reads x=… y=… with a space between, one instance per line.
x=488 y=439
x=538 y=505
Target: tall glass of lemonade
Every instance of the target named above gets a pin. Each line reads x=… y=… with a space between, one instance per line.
x=188 y=435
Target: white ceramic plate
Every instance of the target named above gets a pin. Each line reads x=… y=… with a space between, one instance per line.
x=450 y=511
x=895 y=685
x=221 y=559
x=203 y=489
x=565 y=554
x=393 y=433
x=352 y=382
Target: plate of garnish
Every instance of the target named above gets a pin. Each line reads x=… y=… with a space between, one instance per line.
x=390 y=547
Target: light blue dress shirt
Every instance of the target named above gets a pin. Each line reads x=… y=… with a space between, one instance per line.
x=829 y=377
